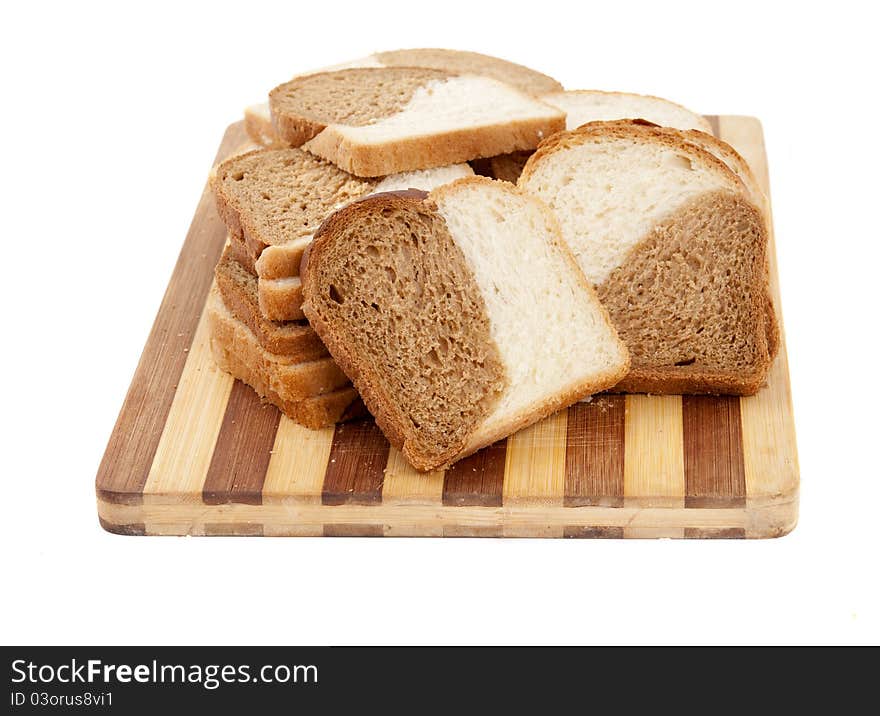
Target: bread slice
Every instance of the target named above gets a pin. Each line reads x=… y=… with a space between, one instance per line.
x=238 y=289
x=452 y=312
x=377 y=121
x=258 y=120
x=273 y=200
x=314 y=394
x=676 y=247
x=583 y=106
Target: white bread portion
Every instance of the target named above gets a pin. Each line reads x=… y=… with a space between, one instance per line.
x=609 y=193
x=424 y=179
x=441 y=106
x=534 y=294
x=734 y=161
x=582 y=106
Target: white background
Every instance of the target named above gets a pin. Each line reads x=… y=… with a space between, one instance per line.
x=111 y=119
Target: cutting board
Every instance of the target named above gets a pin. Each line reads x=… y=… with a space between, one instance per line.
x=195 y=452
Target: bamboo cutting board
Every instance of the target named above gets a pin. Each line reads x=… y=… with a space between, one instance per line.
x=194 y=452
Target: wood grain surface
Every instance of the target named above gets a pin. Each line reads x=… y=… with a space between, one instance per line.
x=194 y=452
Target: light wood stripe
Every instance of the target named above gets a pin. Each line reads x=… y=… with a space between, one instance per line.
x=769 y=444
x=296 y=472
x=187 y=444
x=298 y=462
x=594 y=452
x=405 y=484
x=653 y=468
x=477 y=480
x=241 y=455
x=126 y=464
x=713 y=459
x=356 y=468
x=535 y=469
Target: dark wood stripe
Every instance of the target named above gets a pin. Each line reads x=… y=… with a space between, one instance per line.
x=477 y=480
x=244 y=447
x=131 y=530
x=714 y=533
x=233 y=529
x=714 y=471
x=594 y=453
x=356 y=468
x=132 y=445
x=578 y=532
x=715 y=124
x=354 y=530
x=473 y=531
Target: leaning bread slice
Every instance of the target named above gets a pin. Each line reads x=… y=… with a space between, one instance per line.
x=452 y=312
x=273 y=200
x=258 y=120
x=377 y=121
x=583 y=106
x=676 y=248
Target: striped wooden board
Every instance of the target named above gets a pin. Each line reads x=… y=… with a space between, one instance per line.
x=196 y=453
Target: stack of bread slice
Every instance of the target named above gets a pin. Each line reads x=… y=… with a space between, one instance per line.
x=366 y=261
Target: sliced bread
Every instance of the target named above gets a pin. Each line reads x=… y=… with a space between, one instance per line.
x=273 y=200
x=377 y=121
x=452 y=312
x=258 y=119
x=676 y=247
x=238 y=289
x=583 y=106
x=313 y=394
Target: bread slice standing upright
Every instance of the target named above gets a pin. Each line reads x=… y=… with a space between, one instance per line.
x=378 y=121
x=676 y=246
x=452 y=313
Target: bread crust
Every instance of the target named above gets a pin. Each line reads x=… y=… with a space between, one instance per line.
x=281 y=299
x=297 y=341
x=259 y=128
x=704 y=123
x=291 y=379
x=430 y=151
x=628 y=129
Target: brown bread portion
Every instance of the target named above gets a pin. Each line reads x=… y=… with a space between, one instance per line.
x=271 y=196
x=392 y=296
x=523 y=78
x=690 y=301
x=239 y=291
x=508 y=167
x=304 y=106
